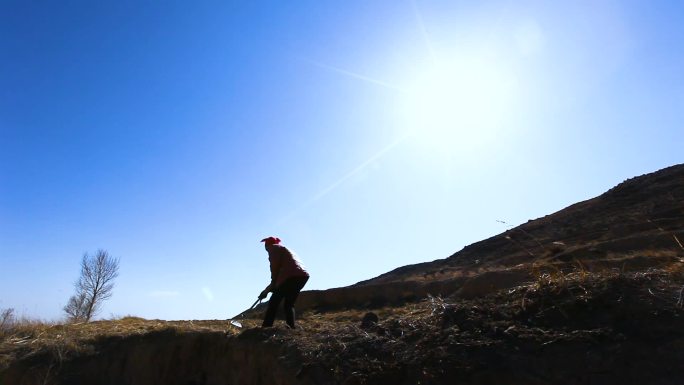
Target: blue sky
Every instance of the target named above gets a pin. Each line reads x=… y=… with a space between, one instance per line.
x=366 y=135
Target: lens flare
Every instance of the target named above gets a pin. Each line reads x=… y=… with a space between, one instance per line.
x=461 y=102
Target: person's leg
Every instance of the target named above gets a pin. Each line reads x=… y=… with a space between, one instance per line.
x=295 y=285
x=273 y=303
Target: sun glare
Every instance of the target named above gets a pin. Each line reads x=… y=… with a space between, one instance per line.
x=460 y=104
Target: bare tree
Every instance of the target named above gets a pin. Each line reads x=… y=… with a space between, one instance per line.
x=6 y=319
x=93 y=287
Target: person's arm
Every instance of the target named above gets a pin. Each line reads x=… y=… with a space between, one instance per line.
x=264 y=293
x=275 y=270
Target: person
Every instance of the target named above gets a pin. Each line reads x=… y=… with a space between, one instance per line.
x=288 y=277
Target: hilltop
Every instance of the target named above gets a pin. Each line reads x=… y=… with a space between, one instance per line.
x=592 y=294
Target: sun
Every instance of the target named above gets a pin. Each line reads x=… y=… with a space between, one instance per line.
x=460 y=103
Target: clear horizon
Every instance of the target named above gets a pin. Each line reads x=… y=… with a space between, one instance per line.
x=367 y=136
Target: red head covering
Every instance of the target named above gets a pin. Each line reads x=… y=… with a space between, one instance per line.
x=271 y=240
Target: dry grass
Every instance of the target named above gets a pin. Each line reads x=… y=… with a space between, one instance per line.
x=27 y=337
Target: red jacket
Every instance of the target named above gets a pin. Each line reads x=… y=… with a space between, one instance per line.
x=284 y=264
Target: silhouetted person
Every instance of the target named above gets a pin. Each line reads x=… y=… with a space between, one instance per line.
x=288 y=277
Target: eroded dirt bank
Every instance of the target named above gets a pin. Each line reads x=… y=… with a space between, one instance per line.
x=576 y=328
x=168 y=357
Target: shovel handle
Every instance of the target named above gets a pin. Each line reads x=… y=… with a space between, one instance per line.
x=258 y=301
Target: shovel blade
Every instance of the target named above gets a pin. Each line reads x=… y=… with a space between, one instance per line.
x=236 y=324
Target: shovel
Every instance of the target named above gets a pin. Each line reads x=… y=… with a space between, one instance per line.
x=238 y=324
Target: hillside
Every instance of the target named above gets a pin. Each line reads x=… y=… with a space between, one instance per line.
x=592 y=294
x=645 y=213
x=635 y=225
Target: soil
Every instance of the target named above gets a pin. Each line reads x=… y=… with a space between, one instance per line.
x=583 y=329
